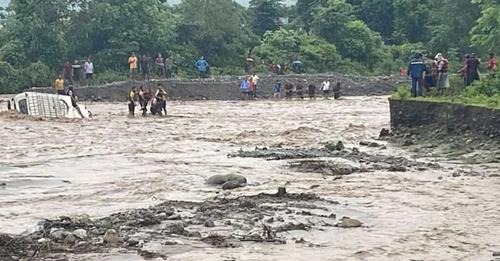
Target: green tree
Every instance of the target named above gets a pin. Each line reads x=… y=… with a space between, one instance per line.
x=411 y=22
x=266 y=14
x=283 y=46
x=216 y=28
x=486 y=33
x=377 y=14
x=109 y=30
x=34 y=30
x=336 y=23
x=451 y=32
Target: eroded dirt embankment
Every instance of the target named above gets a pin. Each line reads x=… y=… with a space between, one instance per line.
x=454 y=131
x=136 y=188
x=227 y=88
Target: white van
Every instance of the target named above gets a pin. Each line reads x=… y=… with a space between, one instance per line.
x=47 y=106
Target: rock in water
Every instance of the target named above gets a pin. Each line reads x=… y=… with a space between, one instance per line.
x=232 y=185
x=70 y=240
x=80 y=233
x=384 y=133
x=281 y=192
x=58 y=233
x=221 y=179
x=209 y=223
x=347 y=222
x=335 y=147
x=111 y=237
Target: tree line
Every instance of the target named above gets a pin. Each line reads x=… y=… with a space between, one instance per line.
x=352 y=36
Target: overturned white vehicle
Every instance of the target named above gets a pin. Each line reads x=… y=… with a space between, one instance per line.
x=48 y=106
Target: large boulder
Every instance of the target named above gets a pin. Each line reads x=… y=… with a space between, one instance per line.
x=221 y=179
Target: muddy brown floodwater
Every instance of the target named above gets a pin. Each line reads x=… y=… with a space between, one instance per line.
x=113 y=163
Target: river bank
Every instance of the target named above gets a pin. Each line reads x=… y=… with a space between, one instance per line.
x=454 y=131
x=152 y=172
x=227 y=88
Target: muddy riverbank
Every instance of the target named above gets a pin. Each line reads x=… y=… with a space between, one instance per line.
x=452 y=131
x=146 y=179
x=227 y=88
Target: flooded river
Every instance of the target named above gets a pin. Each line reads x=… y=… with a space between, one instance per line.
x=113 y=163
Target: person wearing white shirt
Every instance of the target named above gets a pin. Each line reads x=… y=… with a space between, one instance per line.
x=255 y=79
x=325 y=87
x=88 y=69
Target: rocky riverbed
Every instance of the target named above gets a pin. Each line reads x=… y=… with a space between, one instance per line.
x=254 y=180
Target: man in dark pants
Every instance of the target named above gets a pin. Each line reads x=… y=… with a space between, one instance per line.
x=416 y=70
x=131 y=105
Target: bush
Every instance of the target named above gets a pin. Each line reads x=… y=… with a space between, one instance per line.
x=109 y=77
x=401 y=93
x=8 y=80
x=488 y=87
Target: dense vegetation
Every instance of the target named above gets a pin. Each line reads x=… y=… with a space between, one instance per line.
x=484 y=93
x=358 y=36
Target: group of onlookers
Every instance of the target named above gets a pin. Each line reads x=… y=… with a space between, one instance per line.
x=249 y=87
x=74 y=73
x=143 y=64
x=428 y=72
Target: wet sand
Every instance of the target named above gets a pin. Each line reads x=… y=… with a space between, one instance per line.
x=113 y=163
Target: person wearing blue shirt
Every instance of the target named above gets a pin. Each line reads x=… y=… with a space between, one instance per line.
x=416 y=71
x=244 y=87
x=202 y=66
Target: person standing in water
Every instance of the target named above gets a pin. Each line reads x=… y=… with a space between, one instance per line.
x=288 y=90
x=311 y=89
x=325 y=87
x=277 y=89
x=142 y=101
x=132 y=96
x=300 y=90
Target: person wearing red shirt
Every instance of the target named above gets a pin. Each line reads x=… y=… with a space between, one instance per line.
x=492 y=64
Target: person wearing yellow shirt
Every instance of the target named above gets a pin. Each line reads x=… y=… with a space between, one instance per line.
x=133 y=64
x=59 y=84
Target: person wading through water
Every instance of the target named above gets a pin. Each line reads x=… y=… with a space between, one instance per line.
x=142 y=101
x=132 y=96
x=325 y=87
x=160 y=102
x=311 y=89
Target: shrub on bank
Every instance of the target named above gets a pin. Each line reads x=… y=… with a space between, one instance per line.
x=484 y=93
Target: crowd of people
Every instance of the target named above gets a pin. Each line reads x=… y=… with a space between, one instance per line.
x=74 y=73
x=428 y=72
x=144 y=64
x=249 y=89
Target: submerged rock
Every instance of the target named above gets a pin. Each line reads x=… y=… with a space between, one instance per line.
x=70 y=239
x=80 y=233
x=209 y=223
x=347 y=222
x=339 y=146
x=232 y=185
x=229 y=181
x=370 y=144
x=111 y=237
x=384 y=133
